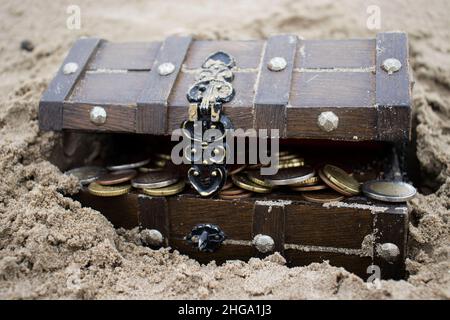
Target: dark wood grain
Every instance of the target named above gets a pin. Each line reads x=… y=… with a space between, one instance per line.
x=393 y=91
x=355 y=123
x=329 y=54
x=270 y=220
x=125 y=56
x=109 y=88
x=391 y=226
x=122 y=211
x=119 y=118
x=333 y=89
x=234 y=218
x=273 y=87
x=152 y=103
x=153 y=214
x=352 y=263
x=327 y=227
x=247 y=54
x=50 y=106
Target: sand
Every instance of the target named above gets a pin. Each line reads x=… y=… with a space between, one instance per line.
x=50 y=247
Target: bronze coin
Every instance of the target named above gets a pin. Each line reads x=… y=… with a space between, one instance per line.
x=322 y=196
x=234 y=169
x=157 y=179
x=116 y=177
x=332 y=185
x=310 y=188
x=227 y=185
x=244 y=195
x=232 y=191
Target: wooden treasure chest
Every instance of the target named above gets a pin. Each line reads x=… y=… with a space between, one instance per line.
x=237 y=149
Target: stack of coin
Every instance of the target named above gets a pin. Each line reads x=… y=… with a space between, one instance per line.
x=114 y=183
x=339 y=180
x=159 y=183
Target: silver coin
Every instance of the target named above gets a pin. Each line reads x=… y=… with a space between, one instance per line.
x=389 y=191
x=285 y=177
x=153 y=180
x=126 y=166
x=87 y=174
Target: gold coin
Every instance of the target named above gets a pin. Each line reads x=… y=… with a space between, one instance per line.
x=164 y=156
x=332 y=185
x=108 y=191
x=289 y=156
x=294 y=163
x=245 y=194
x=310 y=188
x=255 y=177
x=322 y=196
x=341 y=178
x=243 y=182
x=308 y=182
x=166 y=191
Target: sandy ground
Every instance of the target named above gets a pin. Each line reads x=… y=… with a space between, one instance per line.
x=50 y=247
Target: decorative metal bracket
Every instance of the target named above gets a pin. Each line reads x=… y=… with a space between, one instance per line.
x=206 y=125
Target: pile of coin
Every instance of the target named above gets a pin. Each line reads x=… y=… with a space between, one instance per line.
x=319 y=184
x=150 y=177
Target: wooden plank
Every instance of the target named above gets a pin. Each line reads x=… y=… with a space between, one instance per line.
x=153 y=214
x=273 y=88
x=315 y=225
x=391 y=226
x=119 y=118
x=50 y=105
x=393 y=91
x=355 y=123
x=246 y=53
x=125 y=56
x=333 y=89
x=329 y=54
x=122 y=211
x=152 y=103
x=121 y=88
x=234 y=218
x=352 y=263
x=269 y=219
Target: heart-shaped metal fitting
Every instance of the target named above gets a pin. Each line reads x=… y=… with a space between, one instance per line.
x=207 y=180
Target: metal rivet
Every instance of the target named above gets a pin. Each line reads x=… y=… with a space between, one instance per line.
x=263 y=243
x=328 y=121
x=70 y=67
x=391 y=65
x=277 y=64
x=166 y=68
x=98 y=115
x=388 y=251
x=152 y=237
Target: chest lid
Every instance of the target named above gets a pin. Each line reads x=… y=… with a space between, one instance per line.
x=308 y=89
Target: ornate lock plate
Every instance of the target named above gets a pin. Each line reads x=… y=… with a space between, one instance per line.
x=206 y=126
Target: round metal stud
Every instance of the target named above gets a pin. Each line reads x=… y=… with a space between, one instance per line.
x=277 y=64
x=328 y=121
x=98 y=115
x=391 y=65
x=70 y=67
x=166 y=68
x=263 y=243
x=152 y=237
x=388 y=251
